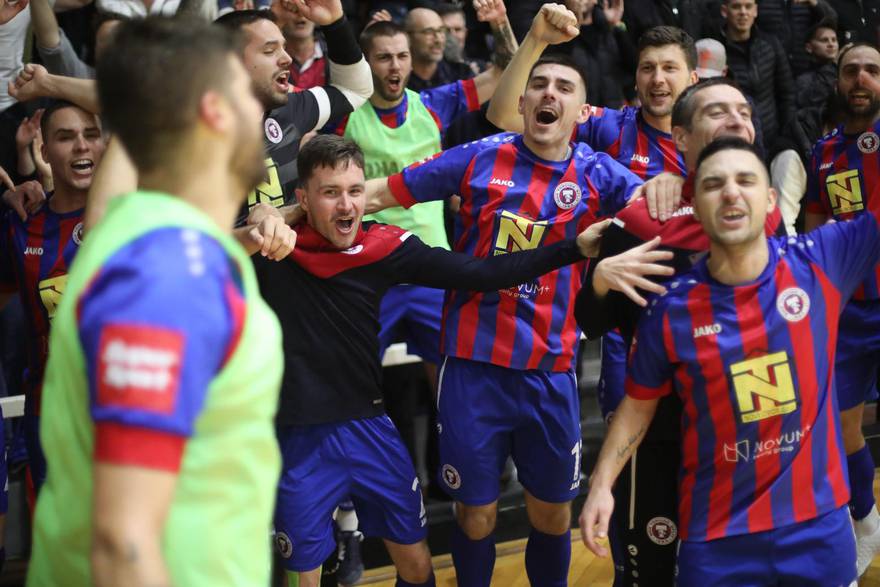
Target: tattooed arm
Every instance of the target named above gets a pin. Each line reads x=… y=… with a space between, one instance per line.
x=495 y=13
x=130 y=508
x=628 y=427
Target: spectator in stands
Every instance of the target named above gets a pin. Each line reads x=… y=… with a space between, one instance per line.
x=857 y=20
x=813 y=86
x=15 y=18
x=456 y=37
x=310 y=67
x=790 y=22
x=759 y=65
x=428 y=39
x=711 y=59
x=690 y=15
x=604 y=50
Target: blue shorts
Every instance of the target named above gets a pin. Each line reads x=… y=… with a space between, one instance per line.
x=817 y=553
x=858 y=354
x=413 y=314
x=326 y=464
x=487 y=413
x=613 y=375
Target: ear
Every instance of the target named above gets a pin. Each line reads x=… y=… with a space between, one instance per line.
x=519 y=105
x=301 y=198
x=808 y=48
x=694 y=77
x=214 y=112
x=772 y=198
x=723 y=10
x=584 y=113
x=680 y=138
x=44 y=152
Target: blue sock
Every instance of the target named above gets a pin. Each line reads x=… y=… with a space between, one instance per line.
x=548 y=558
x=401 y=583
x=474 y=560
x=861 y=482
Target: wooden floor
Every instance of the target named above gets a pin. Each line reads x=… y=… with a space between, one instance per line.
x=586 y=568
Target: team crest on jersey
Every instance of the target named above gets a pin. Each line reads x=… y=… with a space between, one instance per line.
x=567 y=195
x=793 y=304
x=451 y=476
x=353 y=250
x=868 y=143
x=283 y=544
x=662 y=530
x=78 y=233
x=273 y=130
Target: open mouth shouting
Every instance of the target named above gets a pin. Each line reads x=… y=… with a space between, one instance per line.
x=345 y=224
x=281 y=81
x=546 y=115
x=83 y=167
x=732 y=218
x=394 y=83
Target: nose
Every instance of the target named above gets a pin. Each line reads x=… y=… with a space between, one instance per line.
x=344 y=203
x=80 y=143
x=284 y=60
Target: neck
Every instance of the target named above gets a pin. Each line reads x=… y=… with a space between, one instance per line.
x=555 y=152
x=67 y=199
x=661 y=123
x=380 y=102
x=424 y=69
x=302 y=49
x=857 y=124
x=210 y=187
x=736 y=35
x=738 y=264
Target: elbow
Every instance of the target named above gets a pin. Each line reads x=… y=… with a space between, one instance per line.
x=355 y=81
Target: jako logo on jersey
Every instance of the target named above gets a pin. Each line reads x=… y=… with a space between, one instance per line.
x=683 y=211
x=825 y=166
x=845 y=191
x=139 y=367
x=662 y=530
x=450 y=476
x=764 y=387
x=793 y=304
x=273 y=130
x=643 y=159
x=516 y=233
x=868 y=142
x=567 y=195
x=283 y=544
x=33 y=251
x=707 y=330
x=504 y=182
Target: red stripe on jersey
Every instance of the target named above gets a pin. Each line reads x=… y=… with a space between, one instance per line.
x=389 y=120
x=121 y=444
x=801 y=335
x=834 y=471
x=638 y=164
x=690 y=444
x=505 y=314
x=718 y=399
x=643 y=392
x=436 y=118
x=340 y=129
x=754 y=341
x=670 y=156
x=401 y=193
x=470 y=92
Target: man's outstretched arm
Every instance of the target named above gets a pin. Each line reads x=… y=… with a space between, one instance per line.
x=34 y=81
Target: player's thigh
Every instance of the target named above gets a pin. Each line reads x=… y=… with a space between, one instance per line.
x=314 y=479
x=817 y=552
x=384 y=486
x=737 y=561
x=477 y=412
x=547 y=438
x=644 y=525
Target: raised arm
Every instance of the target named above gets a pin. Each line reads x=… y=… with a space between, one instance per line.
x=35 y=82
x=495 y=13
x=45 y=24
x=553 y=24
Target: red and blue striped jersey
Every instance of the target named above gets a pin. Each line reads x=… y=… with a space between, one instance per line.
x=36 y=256
x=843 y=170
x=512 y=200
x=753 y=365
x=635 y=144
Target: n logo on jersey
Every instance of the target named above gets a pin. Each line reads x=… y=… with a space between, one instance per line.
x=845 y=191
x=764 y=387
x=516 y=233
x=50 y=293
x=270 y=191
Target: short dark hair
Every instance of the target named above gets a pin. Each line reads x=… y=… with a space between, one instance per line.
x=237 y=19
x=148 y=108
x=327 y=151
x=560 y=59
x=660 y=36
x=686 y=105
x=856 y=45
x=383 y=28
x=444 y=9
x=825 y=23
x=729 y=143
x=49 y=113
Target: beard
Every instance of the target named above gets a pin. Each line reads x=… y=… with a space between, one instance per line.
x=869 y=111
x=379 y=88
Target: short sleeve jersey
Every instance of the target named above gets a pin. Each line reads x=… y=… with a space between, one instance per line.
x=513 y=200
x=761 y=443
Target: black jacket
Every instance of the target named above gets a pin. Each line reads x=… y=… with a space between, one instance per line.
x=813 y=87
x=857 y=20
x=761 y=69
x=690 y=15
x=789 y=23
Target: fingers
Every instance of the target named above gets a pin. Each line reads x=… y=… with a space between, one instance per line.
x=602 y=531
x=6 y=180
x=255 y=236
x=630 y=292
x=278 y=239
x=648 y=285
x=15 y=200
x=33 y=196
